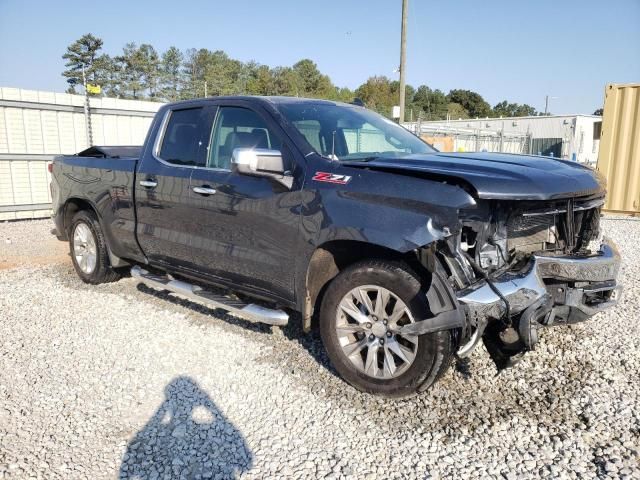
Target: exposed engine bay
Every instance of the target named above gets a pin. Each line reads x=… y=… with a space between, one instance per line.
x=519 y=265
x=500 y=234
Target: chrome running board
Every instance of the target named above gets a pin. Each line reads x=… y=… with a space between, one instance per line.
x=250 y=312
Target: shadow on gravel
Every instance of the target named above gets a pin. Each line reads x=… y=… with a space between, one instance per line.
x=311 y=342
x=188 y=437
x=218 y=314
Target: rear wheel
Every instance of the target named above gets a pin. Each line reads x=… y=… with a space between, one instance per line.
x=88 y=249
x=362 y=314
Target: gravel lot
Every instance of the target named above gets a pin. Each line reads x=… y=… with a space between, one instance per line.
x=115 y=381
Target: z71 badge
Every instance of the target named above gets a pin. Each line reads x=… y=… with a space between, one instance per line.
x=331 y=178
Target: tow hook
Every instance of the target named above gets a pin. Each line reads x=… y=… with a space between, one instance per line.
x=507 y=345
x=531 y=319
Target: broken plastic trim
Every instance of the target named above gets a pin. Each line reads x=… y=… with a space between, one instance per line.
x=442 y=321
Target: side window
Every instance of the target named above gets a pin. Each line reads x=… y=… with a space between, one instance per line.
x=186 y=137
x=238 y=127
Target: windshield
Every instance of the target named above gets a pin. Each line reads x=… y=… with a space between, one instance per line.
x=344 y=132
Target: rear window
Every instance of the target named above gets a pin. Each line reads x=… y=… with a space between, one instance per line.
x=186 y=138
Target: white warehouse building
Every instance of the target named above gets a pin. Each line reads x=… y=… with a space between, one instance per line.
x=572 y=137
x=36 y=126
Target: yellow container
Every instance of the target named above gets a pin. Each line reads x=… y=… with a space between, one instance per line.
x=619 y=155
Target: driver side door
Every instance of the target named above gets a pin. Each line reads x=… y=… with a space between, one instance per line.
x=248 y=229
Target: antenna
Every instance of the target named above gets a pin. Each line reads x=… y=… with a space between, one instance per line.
x=333 y=145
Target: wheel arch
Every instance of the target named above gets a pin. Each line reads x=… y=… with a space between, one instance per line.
x=71 y=207
x=330 y=258
x=76 y=204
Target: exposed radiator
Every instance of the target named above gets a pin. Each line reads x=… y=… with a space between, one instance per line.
x=532 y=231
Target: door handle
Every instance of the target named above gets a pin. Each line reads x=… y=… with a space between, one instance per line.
x=204 y=190
x=148 y=183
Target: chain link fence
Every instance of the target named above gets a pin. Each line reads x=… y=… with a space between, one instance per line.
x=456 y=139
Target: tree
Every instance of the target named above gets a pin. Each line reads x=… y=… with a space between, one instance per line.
x=505 y=109
x=141 y=72
x=150 y=66
x=258 y=79
x=311 y=82
x=108 y=75
x=456 y=111
x=171 y=77
x=343 y=94
x=433 y=103
x=221 y=73
x=472 y=102
x=377 y=94
x=133 y=67
x=284 y=81
x=217 y=72
x=194 y=73
x=82 y=53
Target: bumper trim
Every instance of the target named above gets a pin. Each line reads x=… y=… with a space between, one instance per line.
x=526 y=287
x=599 y=268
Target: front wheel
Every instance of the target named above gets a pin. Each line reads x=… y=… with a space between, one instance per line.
x=361 y=315
x=88 y=249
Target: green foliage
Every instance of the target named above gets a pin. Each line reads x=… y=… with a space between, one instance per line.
x=141 y=72
x=132 y=71
x=311 y=82
x=82 y=53
x=505 y=109
x=455 y=111
x=432 y=103
x=472 y=102
x=377 y=94
x=171 y=75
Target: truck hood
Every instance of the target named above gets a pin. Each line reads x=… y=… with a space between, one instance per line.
x=499 y=176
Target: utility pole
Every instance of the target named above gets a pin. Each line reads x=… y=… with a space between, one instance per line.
x=403 y=56
x=87 y=109
x=546 y=103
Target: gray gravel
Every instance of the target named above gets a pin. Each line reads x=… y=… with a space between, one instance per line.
x=114 y=381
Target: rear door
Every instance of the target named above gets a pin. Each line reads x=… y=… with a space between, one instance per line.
x=165 y=220
x=248 y=227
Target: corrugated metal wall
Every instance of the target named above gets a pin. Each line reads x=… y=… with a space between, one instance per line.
x=577 y=132
x=457 y=139
x=35 y=126
x=619 y=159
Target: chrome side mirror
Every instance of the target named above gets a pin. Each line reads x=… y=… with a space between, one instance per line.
x=261 y=162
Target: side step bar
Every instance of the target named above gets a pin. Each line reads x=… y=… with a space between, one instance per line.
x=250 y=312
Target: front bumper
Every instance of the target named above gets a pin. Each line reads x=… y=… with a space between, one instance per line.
x=578 y=286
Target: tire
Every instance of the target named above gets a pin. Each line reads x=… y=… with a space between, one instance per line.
x=96 y=268
x=433 y=352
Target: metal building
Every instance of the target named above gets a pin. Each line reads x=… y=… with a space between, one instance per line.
x=572 y=137
x=35 y=126
x=619 y=158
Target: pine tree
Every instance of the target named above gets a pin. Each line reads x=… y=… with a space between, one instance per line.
x=132 y=67
x=82 y=53
x=171 y=76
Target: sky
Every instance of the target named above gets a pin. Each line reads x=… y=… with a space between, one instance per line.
x=516 y=50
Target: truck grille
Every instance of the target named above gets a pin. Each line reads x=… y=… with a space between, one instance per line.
x=566 y=226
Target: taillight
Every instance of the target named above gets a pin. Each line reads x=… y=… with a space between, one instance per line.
x=50 y=167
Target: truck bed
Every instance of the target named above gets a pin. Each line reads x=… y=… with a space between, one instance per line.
x=104 y=178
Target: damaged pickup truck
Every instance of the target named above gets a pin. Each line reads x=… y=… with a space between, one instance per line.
x=403 y=257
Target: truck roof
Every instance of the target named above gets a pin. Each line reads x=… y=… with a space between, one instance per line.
x=274 y=100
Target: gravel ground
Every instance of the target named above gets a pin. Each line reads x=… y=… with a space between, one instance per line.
x=115 y=381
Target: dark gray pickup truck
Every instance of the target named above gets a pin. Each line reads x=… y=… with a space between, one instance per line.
x=402 y=256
